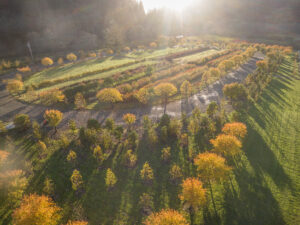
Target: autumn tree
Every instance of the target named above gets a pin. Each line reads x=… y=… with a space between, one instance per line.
x=14 y=86
x=143 y=95
x=164 y=91
x=262 y=66
x=166 y=154
x=235 y=92
x=214 y=72
x=48 y=187
x=236 y=129
x=47 y=61
x=211 y=109
x=147 y=173
x=193 y=196
x=166 y=217
x=22 y=122
x=211 y=168
x=36 y=210
x=129 y=119
x=72 y=156
x=175 y=173
x=130 y=159
x=51 y=97
x=79 y=101
x=227 y=145
x=110 y=179
x=71 y=57
x=53 y=117
x=109 y=95
x=99 y=155
x=186 y=89
x=60 y=61
x=237 y=60
x=146 y=204
x=76 y=180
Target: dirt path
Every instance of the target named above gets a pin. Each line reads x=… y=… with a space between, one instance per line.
x=10 y=107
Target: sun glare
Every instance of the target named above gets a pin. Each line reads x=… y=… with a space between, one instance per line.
x=177 y=5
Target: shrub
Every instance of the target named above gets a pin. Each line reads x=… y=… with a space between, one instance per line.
x=153 y=45
x=14 y=86
x=6 y=64
x=79 y=101
x=22 y=122
x=60 y=61
x=109 y=95
x=47 y=61
x=24 y=69
x=71 y=57
x=51 y=97
x=92 y=54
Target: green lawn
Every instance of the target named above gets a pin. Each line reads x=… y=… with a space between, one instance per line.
x=73 y=69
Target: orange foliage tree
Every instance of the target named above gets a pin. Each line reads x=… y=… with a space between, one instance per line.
x=47 y=61
x=211 y=168
x=227 y=145
x=129 y=119
x=193 y=195
x=236 y=129
x=36 y=210
x=166 y=217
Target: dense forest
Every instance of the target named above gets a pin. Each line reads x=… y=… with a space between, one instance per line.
x=55 y=25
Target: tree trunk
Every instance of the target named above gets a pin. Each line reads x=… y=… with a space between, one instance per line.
x=213 y=200
x=192 y=215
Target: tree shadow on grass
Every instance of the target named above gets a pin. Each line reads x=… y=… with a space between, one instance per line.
x=254 y=204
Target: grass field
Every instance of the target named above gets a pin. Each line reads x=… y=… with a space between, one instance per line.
x=70 y=69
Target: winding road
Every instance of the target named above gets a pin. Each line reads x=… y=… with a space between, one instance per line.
x=9 y=106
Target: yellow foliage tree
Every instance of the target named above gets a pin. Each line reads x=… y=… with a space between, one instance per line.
x=129 y=119
x=236 y=129
x=14 y=86
x=165 y=90
x=211 y=168
x=186 y=89
x=109 y=95
x=193 y=195
x=147 y=173
x=47 y=61
x=71 y=57
x=143 y=95
x=227 y=145
x=166 y=217
x=36 y=210
x=53 y=117
x=76 y=180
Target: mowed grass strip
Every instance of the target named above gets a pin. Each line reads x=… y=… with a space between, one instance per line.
x=269 y=184
x=97 y=76
x=197 y=56
x=73 y=69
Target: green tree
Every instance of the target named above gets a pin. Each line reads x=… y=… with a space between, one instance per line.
x=22 y=122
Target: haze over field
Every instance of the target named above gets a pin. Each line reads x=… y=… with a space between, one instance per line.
x=58 y=25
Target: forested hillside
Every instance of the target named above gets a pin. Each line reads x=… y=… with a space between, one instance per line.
x=88 y=24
